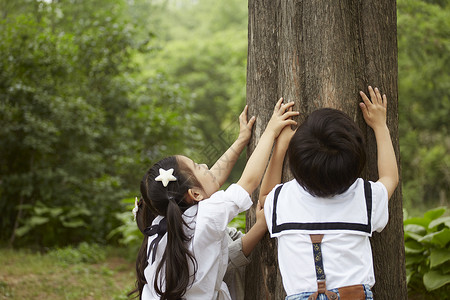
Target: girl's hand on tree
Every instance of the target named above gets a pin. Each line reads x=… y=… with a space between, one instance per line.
x=374 y=110
x=245 y=127
x=281 y=118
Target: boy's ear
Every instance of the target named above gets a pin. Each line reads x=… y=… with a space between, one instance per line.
x=195 y=195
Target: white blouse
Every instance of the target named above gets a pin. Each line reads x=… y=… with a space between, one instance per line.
x=346 y=220
x=208 y=222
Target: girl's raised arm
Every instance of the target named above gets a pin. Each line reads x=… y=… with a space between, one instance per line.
x=223 y=166
x=256 y=164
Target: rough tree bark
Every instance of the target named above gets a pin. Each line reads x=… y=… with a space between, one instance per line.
x=321 y=54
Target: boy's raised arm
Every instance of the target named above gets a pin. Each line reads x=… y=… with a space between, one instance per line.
x=272 y=176
x=256 y=233
x=374 y=112
x=256 y=164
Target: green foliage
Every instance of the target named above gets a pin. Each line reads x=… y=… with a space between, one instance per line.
x=53 y=118
x=79 y=124
x=127 y=233
x=204 y=48
x=427 y=249
x=47 y=225
x=215 y=73
x=84 y=253
x=185 y=19
x=424 y=101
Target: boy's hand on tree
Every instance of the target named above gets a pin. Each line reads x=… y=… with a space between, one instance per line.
x=285 y=135
x=255 y=234
x=281 y=117
x=260 y=218
x=374 y=110
x=245 y=127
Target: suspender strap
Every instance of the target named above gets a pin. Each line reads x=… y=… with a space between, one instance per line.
x=316 y=240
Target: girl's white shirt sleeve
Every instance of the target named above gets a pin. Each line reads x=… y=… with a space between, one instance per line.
x=207 y=223
x=210 y=243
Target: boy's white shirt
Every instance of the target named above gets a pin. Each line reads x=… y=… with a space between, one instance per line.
x=208 y=225
x=347 y=254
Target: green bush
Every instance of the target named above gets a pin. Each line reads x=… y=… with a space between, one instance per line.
x=53 y=225
x=427 y=243
x=127 y=233
x=84 y=253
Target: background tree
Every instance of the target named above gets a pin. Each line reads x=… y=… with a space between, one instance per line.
x=204 y=49
x=424 y=85
x=79 y=123
x=320 y=54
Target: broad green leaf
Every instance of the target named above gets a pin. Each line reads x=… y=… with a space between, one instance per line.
x=56 y=211
x=77 y=211
x=21 y=231
x=411 y=235
x=412 y=259
x=434 y=213
x=39 y=210
x=130 y=238
x=74 y=223
x=442 y=220
x=114 y=232
x=435 y=279
x=414 y=228
x=128 y=201
x=427 y=238
x=439 y=256
x=413 y=247
x=37 y=220
x=442 y=238
x=418 y=221
x=409 y=276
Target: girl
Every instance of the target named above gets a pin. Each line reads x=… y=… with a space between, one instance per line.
x=185 y=253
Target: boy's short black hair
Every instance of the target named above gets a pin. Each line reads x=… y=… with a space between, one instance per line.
x=327 y=153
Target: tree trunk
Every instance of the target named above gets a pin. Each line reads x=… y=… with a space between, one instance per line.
x=321 y=54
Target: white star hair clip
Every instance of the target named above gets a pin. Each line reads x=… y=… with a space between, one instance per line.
x=136 y=208
x=165 y=176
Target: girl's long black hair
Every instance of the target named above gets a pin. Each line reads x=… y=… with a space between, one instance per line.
x=169 y=202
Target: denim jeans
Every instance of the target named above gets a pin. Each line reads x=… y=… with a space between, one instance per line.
x=304 y=296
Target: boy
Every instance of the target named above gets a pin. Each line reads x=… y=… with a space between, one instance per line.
x=324 y=217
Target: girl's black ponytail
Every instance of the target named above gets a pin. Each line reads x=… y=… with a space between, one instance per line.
x=169 y=202
x=176 y=258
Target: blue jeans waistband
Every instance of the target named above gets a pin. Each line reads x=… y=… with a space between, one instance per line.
x=305 y=295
